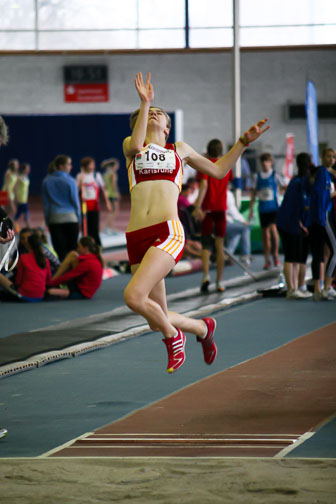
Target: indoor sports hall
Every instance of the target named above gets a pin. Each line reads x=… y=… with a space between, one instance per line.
x=88 y=411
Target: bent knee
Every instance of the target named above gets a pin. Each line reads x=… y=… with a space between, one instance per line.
x=133 y=298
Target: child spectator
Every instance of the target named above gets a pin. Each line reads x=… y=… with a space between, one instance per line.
x=33 y=273
x=266 y=187
x=81 y=271
x=292 y=223
x=48 y=250
x=90 y=184
x=21 y=190
x=193 y=247
x=10 y=179
x=194 y=184
x=23 y=240
x=111 y=167
x=322 y=229
x=183 y=199
x=237 y=230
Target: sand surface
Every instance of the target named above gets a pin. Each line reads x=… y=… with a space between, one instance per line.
x=154 y=480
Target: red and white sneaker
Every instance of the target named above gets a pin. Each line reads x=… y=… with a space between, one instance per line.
x=208 y=344
x=175 y=348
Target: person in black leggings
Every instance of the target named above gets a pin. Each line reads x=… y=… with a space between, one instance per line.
x=322 y=227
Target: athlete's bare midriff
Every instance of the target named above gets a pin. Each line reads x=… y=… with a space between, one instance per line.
x=152 y=202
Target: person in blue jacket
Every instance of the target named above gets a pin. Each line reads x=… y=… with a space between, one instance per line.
x=61 y=206
x=322 y=226
x=292 y=223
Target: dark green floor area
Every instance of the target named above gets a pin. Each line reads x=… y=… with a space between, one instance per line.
x=48 y=406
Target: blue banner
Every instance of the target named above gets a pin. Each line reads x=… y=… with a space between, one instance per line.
x=312 y=122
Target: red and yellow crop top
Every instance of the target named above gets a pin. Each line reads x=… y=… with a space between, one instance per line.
x=154 y=162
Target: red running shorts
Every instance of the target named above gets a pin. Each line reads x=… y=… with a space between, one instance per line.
x=216 y=221
x=167 y=236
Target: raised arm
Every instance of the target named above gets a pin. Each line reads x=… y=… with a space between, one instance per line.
x=224 y=164
x=133 y=144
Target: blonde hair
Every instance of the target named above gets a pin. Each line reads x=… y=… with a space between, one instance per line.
x=135 y=114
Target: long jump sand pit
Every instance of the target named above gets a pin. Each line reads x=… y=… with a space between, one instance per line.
x=162 y=480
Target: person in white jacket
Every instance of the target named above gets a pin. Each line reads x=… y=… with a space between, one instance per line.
x=237 y=230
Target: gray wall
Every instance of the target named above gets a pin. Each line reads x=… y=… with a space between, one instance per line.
x=198 y=83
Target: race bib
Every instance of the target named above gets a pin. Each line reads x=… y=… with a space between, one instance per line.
x=154 y=159
x=90 y=192
x=266 y=194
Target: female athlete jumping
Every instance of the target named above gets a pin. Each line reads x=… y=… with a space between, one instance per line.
x=155 y=236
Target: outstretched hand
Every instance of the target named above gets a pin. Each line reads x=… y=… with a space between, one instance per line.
x=145 y=89
x=9 y=236
x=255 y=131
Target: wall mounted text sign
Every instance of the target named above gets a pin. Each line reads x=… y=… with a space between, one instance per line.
x=86 y=83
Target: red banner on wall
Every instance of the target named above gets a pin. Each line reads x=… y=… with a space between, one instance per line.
x=86 y=83
x=289 y=161
x=86 y=93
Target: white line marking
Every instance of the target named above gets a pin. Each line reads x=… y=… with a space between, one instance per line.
x=137 y=447
x=178 y=440
x=296 y=443
x=65 y=445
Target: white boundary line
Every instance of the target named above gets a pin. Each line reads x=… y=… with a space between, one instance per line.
x=293 y=446
x=40 y=457
x=64 y=445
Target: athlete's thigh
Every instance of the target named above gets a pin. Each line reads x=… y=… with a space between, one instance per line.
x=154 y=267
x=158 y=293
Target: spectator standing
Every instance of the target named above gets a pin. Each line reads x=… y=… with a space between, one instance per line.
x=61 y=206
x=90 y=184
x=111 y=167
x=266 y=186
x=237 y=230
x=292 y=223
x=10 y=180
x=21 y=191
x=322 y=229
x=210 y=207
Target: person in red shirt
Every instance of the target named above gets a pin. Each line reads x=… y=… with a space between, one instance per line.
x=90 y=185
x=81 y=271
x=32 y=275
x=210 y=207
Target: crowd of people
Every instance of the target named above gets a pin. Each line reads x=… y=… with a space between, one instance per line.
x=65 y=266
x=302 y=214
x=169 y=221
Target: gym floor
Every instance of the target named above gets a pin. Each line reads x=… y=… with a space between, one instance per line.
x=268 y=398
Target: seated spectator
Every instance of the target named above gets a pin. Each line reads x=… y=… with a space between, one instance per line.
x=32 y=275
x=192 y=248
x=48 y=250
x=81 y=271
x=237 y=230
x=183 y=199
x=193 y=182
x=23 y=240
